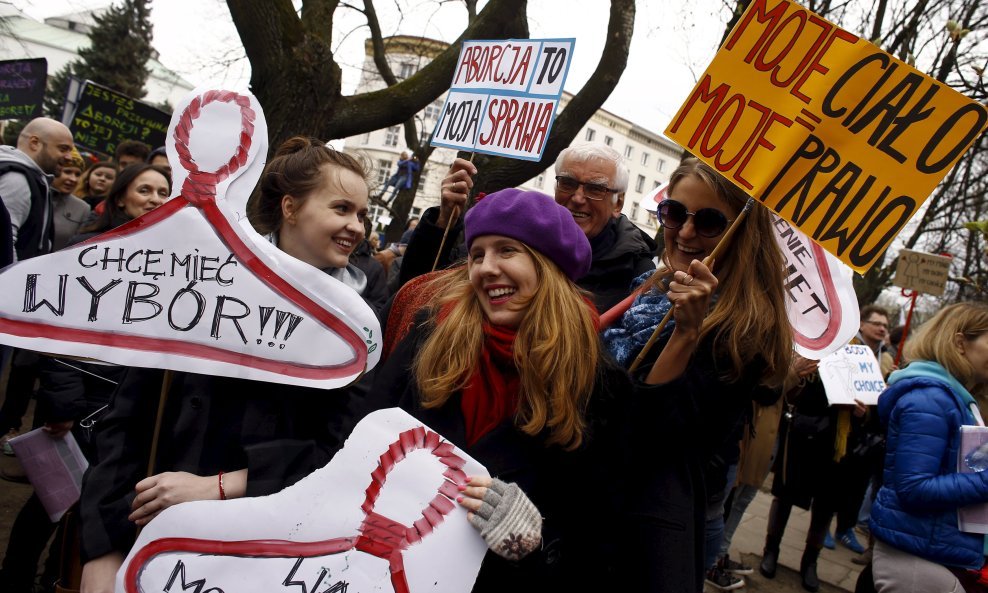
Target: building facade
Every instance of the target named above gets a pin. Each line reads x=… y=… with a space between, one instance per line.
x=58 y=39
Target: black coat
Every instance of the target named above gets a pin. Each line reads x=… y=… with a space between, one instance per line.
x=577 y=492
x=677 y=429
x=280 y=433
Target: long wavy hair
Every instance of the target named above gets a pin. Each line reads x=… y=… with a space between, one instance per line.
x=749 y=319
x=936 y=341
x=555 y=342
x=82 y=189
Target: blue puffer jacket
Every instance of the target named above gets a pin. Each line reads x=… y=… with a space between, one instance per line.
x=916 y=509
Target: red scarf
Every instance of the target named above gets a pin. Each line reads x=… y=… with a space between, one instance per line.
x=491 y=395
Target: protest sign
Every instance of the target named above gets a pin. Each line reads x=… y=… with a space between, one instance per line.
x=331 y=531
x=821 y=304
x=852 y=373
x=22 y=88
x=503 y=97
x=651 y=200
x=922 y=272
x=103 y=118
x=836 y=136
x=191 y=286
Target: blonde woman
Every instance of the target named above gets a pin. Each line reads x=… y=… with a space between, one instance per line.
x=507 y=365
x=919 y=546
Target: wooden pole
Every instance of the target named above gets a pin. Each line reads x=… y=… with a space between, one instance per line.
x=707 y=261
x=449 y=224
x=166 y=383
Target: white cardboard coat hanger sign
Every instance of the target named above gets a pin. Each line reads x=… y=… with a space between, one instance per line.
x=379 y=517
x=191 y=286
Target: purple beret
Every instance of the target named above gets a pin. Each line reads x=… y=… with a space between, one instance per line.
x=536 y=220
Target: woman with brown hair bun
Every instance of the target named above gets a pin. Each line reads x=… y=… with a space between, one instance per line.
x=224 y=437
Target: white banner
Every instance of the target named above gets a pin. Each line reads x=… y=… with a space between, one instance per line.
x=821 y=304
x=191 y=286
x=381 y=516
x=852 y=373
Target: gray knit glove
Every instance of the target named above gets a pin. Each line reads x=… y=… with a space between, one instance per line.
x=508 y=521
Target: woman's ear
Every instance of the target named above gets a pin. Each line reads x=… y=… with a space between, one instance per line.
x=959 y=341
x=289 y=207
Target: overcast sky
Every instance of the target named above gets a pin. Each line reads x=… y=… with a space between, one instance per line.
x=673 y=42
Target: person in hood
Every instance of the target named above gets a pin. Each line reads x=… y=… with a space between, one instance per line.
x=919 y=546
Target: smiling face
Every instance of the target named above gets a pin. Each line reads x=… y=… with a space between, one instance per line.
x=66 y=180
x=591 y=215
x=504 y=278
x=145 y=193
x=100 y=180
x=683 y=245
x=324 y=227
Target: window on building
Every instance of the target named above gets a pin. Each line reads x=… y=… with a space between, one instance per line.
x=656 y=184
x=405 y=70
x=634 y=211
x=365 y=138
x=608 y=140
x=590 y=134
x=540 y=181
x=660 y=165
x=433 y=109
x=628 y=151
x=382 y=172
x=645 y=156
x=640 y=183
x=391 y=136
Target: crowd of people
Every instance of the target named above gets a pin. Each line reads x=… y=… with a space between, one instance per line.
x=612 y=459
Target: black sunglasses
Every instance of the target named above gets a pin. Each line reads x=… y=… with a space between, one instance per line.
x=708 y=222
x=594 y=191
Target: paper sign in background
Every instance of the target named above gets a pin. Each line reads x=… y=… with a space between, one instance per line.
x=922 y=272
x=826 y=129
x=852 y=373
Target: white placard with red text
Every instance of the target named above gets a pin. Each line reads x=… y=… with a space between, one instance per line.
x=503 y=97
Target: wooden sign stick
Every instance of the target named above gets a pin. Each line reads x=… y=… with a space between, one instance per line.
x=718 y=250
x=449 y=225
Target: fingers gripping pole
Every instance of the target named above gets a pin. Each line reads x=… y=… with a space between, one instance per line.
x=724 y=242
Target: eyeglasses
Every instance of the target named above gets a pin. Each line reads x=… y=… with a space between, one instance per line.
x=708 y=222
x=593 y=191
x=878 y=323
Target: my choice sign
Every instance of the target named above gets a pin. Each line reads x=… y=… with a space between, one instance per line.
x=826 y=129
x=852 y=373
x=503 y=97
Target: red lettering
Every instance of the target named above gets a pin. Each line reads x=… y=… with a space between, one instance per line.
x=815 y=66
x=758 y=12
x=760 y=142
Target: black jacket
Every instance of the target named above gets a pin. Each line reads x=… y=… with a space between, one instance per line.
x=280 y=433
x=577 y=491
x=621 y=252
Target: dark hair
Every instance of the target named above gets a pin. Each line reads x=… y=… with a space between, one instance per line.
x=295 y=171
x=131 y=148
x=868 y=310
x=160 y=151
x=113 y=215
